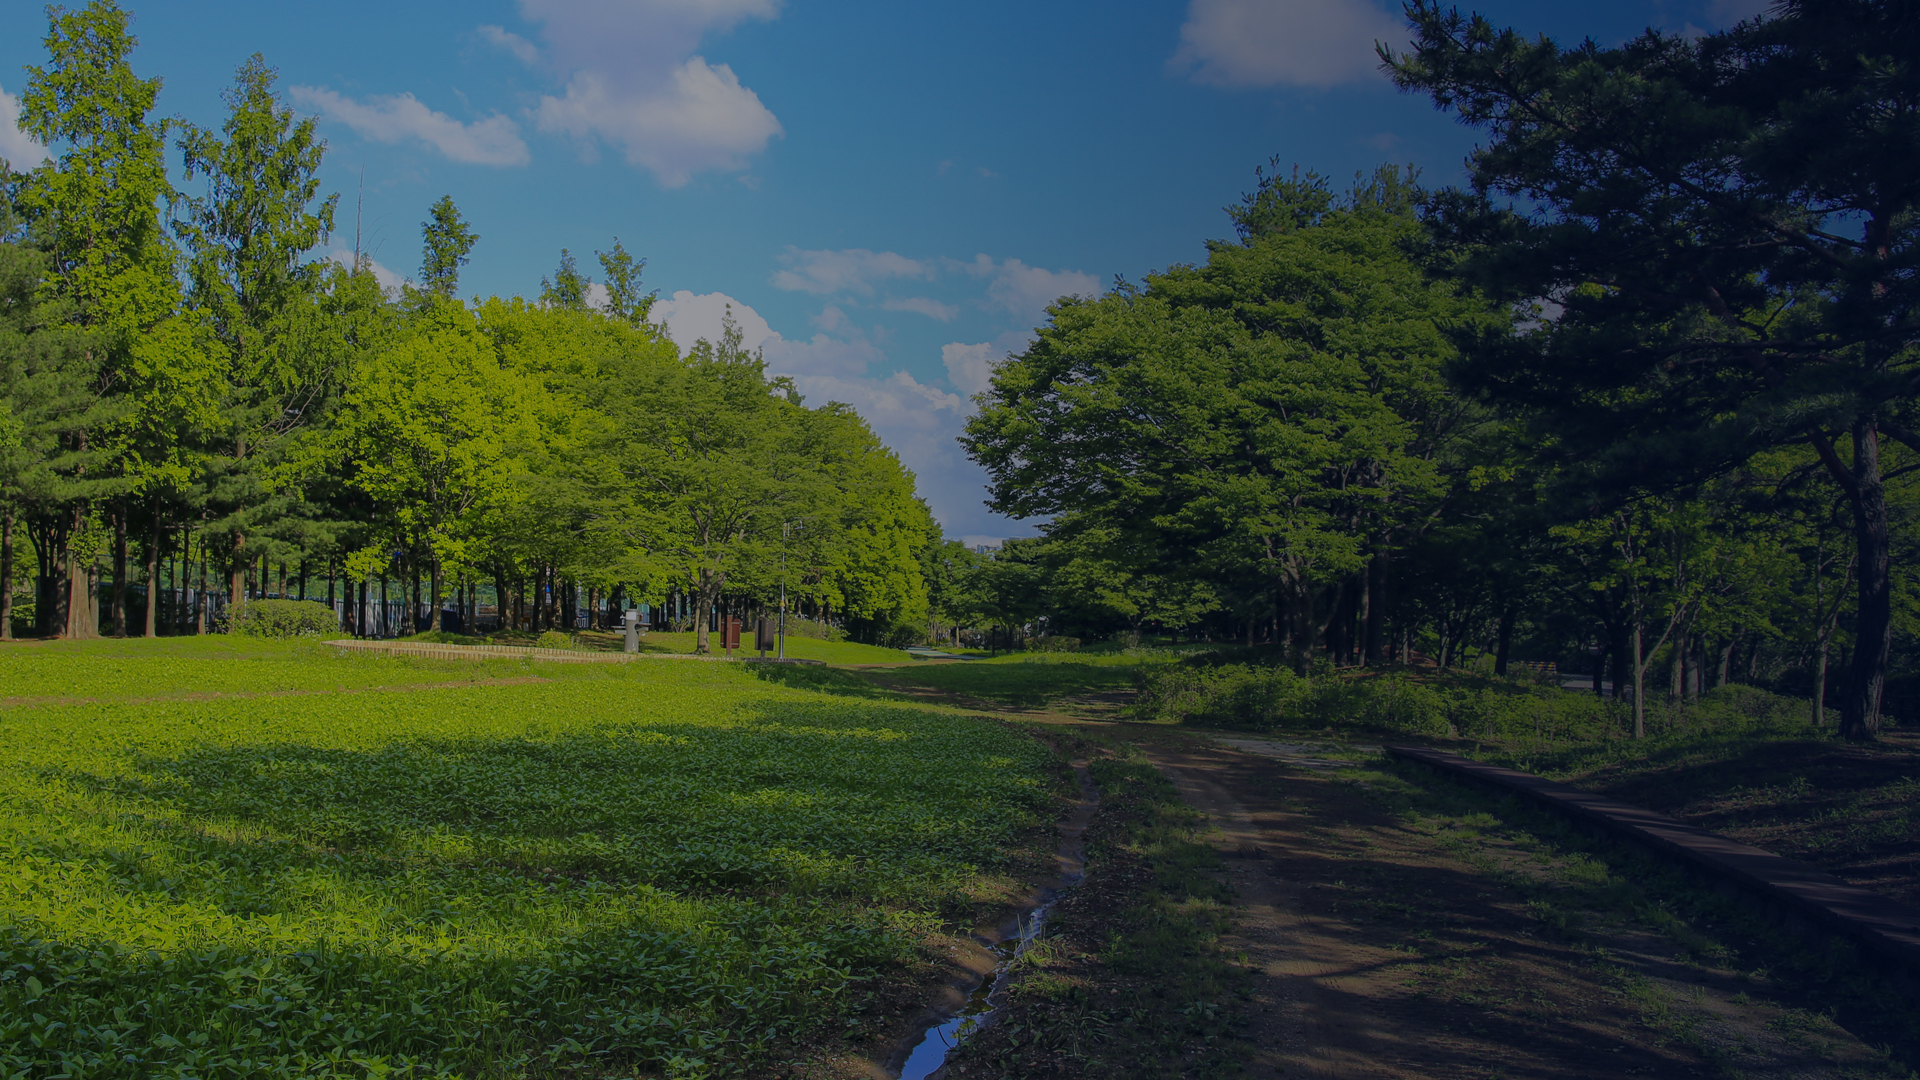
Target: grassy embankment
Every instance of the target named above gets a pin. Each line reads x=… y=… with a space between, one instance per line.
x=231 y=856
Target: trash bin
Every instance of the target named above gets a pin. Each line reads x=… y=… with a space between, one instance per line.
x=633 y=630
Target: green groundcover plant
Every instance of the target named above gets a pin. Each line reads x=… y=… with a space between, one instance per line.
x=666 y=869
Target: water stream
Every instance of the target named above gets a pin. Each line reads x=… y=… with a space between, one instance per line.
x=925 y=1058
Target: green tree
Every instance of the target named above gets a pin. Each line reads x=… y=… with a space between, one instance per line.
x=625 y=301
x=709 y=462
x=247 y=239
x=448 y=240
x=96 y=207
x=568 y=289
x=1720 y=235
x=1268 y=421
x=431 y=430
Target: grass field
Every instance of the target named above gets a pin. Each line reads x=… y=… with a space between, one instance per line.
x=1022 y=680
x=677 y=869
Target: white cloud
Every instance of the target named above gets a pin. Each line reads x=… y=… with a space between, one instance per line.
x=1248 y=43
x=501 y=38
x=704 y=119
x=634 y=82
x=388 y=280
x=1025 y=291
x=689 y=318
x=17 y=147
x=970 y=367
x=822 y=355
x=852 y=270
x=932 y=309
x=400 y=117
x=1012 y=286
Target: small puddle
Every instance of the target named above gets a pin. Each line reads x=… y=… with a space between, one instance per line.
x=924 y=1059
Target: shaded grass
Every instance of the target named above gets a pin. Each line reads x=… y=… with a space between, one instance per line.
x=1847 y=808
x=1021 y=681
x=678 y=869
x=1130 y=981
x=1577 y=885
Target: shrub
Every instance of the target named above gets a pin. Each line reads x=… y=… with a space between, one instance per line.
x=1262 y=698
x=809 y=628
x=1055 y=643
x=282 y=619
x=1228 y=696
x=553 y=639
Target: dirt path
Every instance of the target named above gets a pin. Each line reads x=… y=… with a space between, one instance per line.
x=1384 y=950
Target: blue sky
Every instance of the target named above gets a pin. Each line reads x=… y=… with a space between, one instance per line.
x=886 y=194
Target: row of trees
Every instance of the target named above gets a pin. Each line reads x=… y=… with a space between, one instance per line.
x=1646 y=387
x=179 y=375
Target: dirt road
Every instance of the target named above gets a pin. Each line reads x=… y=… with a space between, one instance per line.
x=1395 y=939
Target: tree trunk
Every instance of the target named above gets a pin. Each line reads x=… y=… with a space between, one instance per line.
x=119 y=569
x=705 y=593
x=1639 y=686
x=1377 y=569
x=6 y=575
x=82 y=602
x=1677 y=681
x=434 y=568
x=200 y=598
x=237 y=569
x=1873 y=616
x=151 y=624
x=1819 y=717
x=1696 y=665
x=1505 y=641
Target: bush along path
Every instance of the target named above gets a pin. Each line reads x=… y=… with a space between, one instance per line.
x=1333 y=915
